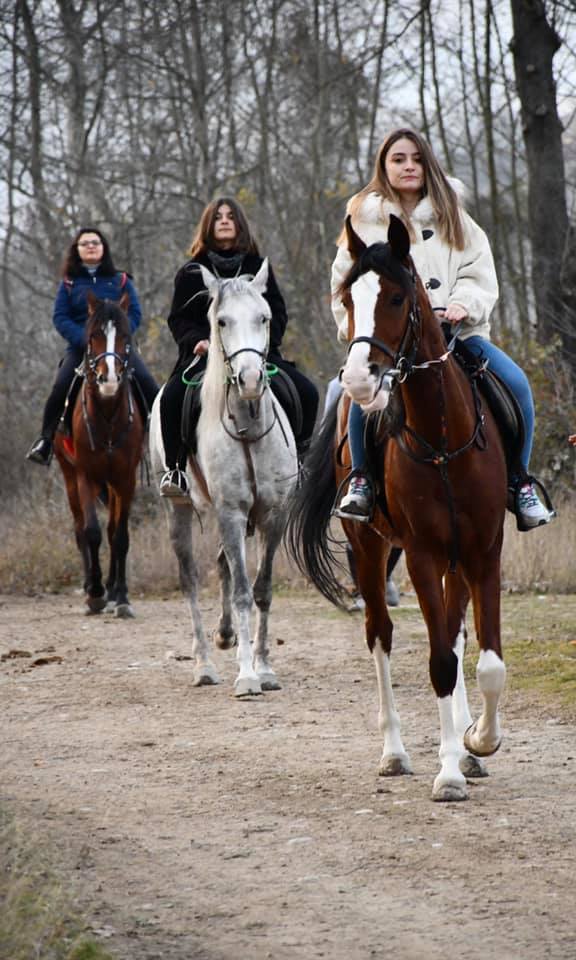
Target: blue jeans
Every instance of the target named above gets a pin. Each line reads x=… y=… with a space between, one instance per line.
x=501 y=364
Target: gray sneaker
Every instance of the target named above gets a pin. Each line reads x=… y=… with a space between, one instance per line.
x=531 y=511
x=357 y=503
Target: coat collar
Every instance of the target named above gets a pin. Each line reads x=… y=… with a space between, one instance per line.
x=374 y=209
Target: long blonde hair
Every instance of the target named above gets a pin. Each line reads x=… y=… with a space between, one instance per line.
x=442 y=195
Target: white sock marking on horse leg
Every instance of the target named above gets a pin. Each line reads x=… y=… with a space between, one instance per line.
x=491 y=675
x=450 y=751
x=388 y=718
x=462 y=715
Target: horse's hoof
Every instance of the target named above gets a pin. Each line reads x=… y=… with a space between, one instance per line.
x=95 y=605
x=479 y=751
x=123 y=611
x=449 y=793
x=395 y=766
x=269 y=681
x=205 y=677
x=247 y=687
x=225 y=641
x=472 y=766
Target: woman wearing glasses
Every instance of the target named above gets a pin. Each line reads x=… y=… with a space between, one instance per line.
x=88 y=265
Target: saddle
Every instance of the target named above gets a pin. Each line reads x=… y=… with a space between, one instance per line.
x=503 y=406
x=65 y=422
x=502 y=403
x=282 y=387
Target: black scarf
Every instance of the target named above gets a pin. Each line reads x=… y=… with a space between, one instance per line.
x=229 y=264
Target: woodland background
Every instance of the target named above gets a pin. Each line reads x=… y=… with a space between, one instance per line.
x=131 y=115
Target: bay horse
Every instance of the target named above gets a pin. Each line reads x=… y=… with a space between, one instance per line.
x=442 y=498
x=244 y=472
x=102 y=453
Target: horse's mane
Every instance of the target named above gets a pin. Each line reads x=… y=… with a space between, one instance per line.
x=380 y=258
x=104 y=311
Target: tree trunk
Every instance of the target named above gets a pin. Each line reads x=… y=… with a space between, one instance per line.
x=534 y=45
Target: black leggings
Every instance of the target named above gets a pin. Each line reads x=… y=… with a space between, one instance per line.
x=72 y=359
x=173 y=398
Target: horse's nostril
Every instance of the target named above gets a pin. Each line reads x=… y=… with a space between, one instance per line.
x=374 y=370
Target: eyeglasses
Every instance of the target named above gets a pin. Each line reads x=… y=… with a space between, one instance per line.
x=90 y=243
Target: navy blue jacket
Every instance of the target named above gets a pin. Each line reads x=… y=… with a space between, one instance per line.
x=71 y=307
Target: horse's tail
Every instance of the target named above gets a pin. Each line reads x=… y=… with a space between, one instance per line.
x=307 y=532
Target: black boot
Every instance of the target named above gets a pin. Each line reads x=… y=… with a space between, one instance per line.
x=41 y=451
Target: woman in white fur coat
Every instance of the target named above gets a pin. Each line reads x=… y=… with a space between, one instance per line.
x=453 y=258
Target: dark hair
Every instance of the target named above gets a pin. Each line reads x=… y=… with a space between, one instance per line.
x=73 y=266
x=203 y=239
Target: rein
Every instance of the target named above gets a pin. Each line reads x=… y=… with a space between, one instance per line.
x=404 y=367
x=91 y=380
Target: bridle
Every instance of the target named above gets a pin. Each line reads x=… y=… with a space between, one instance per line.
x=91 y=376
x=232 y=381
x=91 y=360
x=403 y=366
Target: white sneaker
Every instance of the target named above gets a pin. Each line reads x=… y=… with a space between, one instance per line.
x=531 y=511
x=174 y=483
x=357 y=503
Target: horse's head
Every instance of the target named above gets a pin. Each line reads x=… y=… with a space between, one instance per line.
x=108 y=343
x=240 y=325
x=379 y=294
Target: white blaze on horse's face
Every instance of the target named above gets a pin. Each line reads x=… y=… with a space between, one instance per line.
x=358 y=376
x=109 y=382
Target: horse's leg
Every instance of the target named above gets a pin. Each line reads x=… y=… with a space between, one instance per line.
x=119 y=539
x=457 y=597
x=69 y=473
x=268 y=541
x=371 y=554
x=232 y=531
x=180 y=519
x=95 y=591
x=450 y=783
x=225 y=635
x=112 y=571
x=484 y=736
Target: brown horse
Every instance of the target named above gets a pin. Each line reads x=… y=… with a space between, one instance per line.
x=441 y=483
x=103 y=452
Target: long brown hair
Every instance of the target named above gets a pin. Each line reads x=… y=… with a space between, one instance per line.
x=203 y=239
x=442 y=195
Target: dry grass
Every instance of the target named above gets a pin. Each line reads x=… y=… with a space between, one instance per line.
x=37 y=917
x=38 y=553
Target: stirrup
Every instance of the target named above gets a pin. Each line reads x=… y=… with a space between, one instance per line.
x=174 y=483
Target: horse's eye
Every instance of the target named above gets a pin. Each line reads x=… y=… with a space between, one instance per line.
x=264 y=319
x=397 y=299
x=221 y=323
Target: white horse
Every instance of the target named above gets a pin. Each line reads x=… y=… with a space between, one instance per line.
x=247 y=459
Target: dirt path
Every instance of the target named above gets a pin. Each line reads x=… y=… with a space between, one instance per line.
x=197 y=826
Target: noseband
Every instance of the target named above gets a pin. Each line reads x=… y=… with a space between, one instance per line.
x=403 y=358
x=92 y=361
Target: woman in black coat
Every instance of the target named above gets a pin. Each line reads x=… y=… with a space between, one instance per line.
x=223 y=243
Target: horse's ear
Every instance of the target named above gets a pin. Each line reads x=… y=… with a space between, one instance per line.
x=210 y=281
x=260 y=281
x=91 y=300
x=124 y=301
x=356 y=246
x=398 y=238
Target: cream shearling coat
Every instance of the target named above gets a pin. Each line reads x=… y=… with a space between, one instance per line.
x=467 y=277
